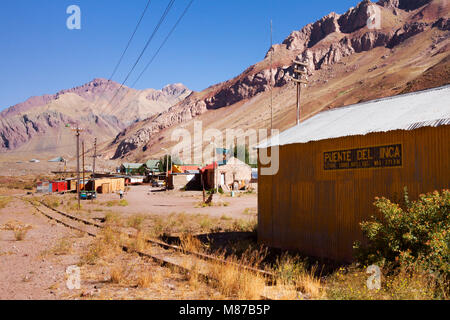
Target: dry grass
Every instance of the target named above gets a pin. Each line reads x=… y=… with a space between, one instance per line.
x=250 y=211
x=230 y=279
x=107 y=245
x=73 y=206
x=118 y=273
x=225 y=217
x=114 y=203
x=178 y=223
x=19 y=229
x=20 y=183
x=63 y=247
x=293 y=274
x=52 y=201
x=206 y=223
x=144 y=279
x=137 y=243
x=112 y=219
x=243 y=225
x=191 y=243
x=20 y=234
x=234 y=282
x=135 y=221
x=4 y=201
x=351 y=284
x=201 y=204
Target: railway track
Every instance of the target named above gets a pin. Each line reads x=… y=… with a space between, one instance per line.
x=165 y=254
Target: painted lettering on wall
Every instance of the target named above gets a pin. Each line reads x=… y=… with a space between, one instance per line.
x=370 y=157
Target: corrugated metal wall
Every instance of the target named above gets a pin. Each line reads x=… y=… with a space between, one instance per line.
x=108 y=185
x=318 y=211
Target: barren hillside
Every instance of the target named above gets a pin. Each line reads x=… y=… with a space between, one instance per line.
x=39 y=125
x=348 y=63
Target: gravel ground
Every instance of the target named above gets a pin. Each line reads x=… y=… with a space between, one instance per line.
x=28 y=269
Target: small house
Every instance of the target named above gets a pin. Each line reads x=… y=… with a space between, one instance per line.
x=233 y=172
x=132 y=168
x=152 y=166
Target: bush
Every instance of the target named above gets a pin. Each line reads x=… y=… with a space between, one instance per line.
x=415 y=235
x=215 y=190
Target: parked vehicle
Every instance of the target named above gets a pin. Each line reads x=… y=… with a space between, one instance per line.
x=87 y=195
x=157 y=183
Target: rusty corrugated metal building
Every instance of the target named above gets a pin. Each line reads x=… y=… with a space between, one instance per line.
x=334 y=164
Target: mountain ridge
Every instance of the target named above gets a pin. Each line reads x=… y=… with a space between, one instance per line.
x=90 y=105
x=324 y=44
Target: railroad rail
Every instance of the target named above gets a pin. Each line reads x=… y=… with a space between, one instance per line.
x=65 y=219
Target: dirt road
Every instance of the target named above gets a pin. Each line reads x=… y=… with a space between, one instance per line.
x=147 y=200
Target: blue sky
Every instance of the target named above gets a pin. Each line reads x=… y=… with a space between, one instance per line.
x=215 y=41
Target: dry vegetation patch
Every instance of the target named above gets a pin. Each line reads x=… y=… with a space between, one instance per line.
x=179 y=223
x=4 y=201
x=115 y=203
x=350 y=283
x=19 y=229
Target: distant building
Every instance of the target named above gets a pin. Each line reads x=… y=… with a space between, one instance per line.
x=232 y=172
x=185 y=168
x=152 y=166
x=132 y=168
x=57 y=159
x=334 y=164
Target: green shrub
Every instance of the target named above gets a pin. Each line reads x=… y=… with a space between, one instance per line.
x=414 y=235
x=214 y=190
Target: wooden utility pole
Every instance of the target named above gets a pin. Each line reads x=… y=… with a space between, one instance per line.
x=95 y=156
x=84 y=181
x=93 y=170
x=300 y=73
x=215 y=170
x=77 y=134
x=78 y=168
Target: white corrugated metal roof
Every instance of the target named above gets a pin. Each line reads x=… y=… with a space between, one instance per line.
x=403 y=112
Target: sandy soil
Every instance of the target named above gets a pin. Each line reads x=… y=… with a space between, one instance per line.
x=27 y=269
x=146 y=200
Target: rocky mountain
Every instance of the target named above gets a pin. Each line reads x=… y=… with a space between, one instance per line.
x=348 y=62
x=40 y=123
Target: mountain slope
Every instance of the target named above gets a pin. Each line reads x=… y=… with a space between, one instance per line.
x=347 y=63
x=39 y=124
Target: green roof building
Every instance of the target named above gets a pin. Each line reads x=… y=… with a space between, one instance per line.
x=131 y=168
x=153 y=165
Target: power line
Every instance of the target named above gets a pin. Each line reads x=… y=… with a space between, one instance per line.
x=163 y=43
x=125 y=50
x=131 y=38
x=161 y=46
x=161 y=20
